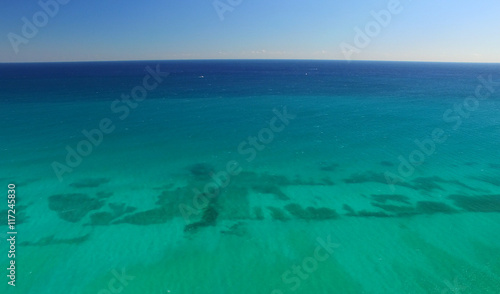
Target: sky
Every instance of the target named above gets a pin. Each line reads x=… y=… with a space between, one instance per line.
x=100 y=30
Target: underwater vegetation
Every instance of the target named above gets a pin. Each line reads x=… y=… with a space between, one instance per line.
x=234 y=202
x=103 y=218
x=430 y=207
x=209 y=218
x=278 y=214
x=201 y=170
x=372 y=177
x=311 y=213
x=482 y=203
x=73 y=207
x=237 y=229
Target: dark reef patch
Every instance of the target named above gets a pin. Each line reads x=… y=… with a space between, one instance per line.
x=233 y=203
x=431 y=207
x=350 y=210
x=238 y=229
x=121 y=208
x=482 y=203
x=277 y=214
x=201 y=170
x=258 y=213
x=458 y=183
x=311 y=213
x=427 y=184
x=167 y=208
x=90 y=183
x=101 y=218
x=367 y=177
x=422 y=207
x=249 y=179
x=51 y=240
x=365 y=213
x=383 y=198
x=104 y=194
x=73 y=207
x=105 y=218
x=397 y=210
x=209 y=218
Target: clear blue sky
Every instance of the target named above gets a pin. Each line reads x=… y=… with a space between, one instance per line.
x=425 y=30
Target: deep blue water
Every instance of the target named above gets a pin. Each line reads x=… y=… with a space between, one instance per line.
x=227 y=79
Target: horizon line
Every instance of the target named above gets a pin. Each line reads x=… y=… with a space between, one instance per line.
x=245 y=59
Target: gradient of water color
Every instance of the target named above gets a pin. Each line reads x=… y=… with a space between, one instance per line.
x=318 y=181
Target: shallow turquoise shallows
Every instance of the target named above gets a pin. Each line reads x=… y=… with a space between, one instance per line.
x=243 y=177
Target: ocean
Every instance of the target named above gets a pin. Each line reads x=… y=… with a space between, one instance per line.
x=251 y=176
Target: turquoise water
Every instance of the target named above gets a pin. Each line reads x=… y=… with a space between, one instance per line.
x=253 y=177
